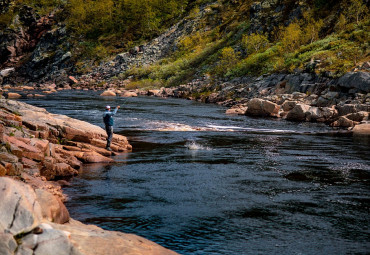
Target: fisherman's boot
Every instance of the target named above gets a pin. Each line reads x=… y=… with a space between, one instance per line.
x=108 y=147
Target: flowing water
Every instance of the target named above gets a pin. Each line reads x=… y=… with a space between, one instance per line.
x=201 y=182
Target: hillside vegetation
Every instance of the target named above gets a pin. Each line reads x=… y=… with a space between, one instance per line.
x=230 y=38
x=326 y=37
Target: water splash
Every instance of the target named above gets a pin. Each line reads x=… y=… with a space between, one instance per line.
x=192 y=145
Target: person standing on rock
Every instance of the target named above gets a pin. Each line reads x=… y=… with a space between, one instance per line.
x=108 y=121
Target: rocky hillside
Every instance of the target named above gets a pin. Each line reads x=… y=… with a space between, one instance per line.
x=223 y=39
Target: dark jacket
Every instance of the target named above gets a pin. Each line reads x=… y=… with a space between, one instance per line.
x=108 y=117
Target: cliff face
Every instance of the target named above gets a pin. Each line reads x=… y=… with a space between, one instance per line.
x=33 y=47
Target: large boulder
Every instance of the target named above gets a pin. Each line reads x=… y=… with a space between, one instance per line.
x=7 y=244
x=53 y=169
x=343 y=121
x=298 y=113
x=321 y=114
x=49 y=241
x=52 y=207
x=92 y=157
x=19 y=210
x=358 y=116
x=128 y=94
x=362 y=129
x=288 y=105
x=7 y=72
x=108 y=93
x=346 y=109
x=356 y=80
x=260 y=107
x=14 y=95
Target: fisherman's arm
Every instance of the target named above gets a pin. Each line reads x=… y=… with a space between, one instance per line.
x=115 y=110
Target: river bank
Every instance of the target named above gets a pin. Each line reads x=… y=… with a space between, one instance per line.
x=302 y=97
x=38 y=150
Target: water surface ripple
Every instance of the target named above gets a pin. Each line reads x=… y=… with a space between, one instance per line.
x=201 y=182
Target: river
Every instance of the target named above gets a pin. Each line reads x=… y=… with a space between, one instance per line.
x=202 y=182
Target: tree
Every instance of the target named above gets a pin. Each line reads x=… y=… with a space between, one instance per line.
x=255 y=42
x=228 y=59
x=310 y=27
x=291 y=37
x=356 y=10
x=341 y=24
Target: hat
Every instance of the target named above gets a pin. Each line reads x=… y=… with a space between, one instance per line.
x=107 y=107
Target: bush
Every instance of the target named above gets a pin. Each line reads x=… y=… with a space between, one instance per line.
x=228 y=59
x=144 y=84
x=255 y=64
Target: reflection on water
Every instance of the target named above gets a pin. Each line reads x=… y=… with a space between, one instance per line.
x=201 y=182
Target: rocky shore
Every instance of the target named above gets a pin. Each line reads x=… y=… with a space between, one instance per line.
x=343 y=103
x=37 y=150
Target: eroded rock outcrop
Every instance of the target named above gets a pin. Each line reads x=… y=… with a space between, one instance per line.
x=36 y=142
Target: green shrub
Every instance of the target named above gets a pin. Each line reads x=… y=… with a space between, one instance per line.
x=144 y=84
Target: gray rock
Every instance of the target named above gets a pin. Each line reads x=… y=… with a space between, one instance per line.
x=52 y=208
x=356 y=80
x=7 y=244
x=320 y=114
x=321 y=102
x=298 y=113
x=20 y=212
x=53 y=241
x=24 y=251
x=346 y=109
x=7 y=157
x=6 y=72
x=288 y=105
x=260 y=107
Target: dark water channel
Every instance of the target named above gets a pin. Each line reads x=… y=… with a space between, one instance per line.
x=201 y=182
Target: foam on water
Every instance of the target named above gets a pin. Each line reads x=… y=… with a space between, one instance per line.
x=178 y=127
x=173 y=126
x=234 y=128
x=192 y=145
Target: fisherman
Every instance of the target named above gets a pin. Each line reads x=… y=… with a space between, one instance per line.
x=108 y=121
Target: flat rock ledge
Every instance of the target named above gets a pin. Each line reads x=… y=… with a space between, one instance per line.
x=28 y=225
x=37 y=143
